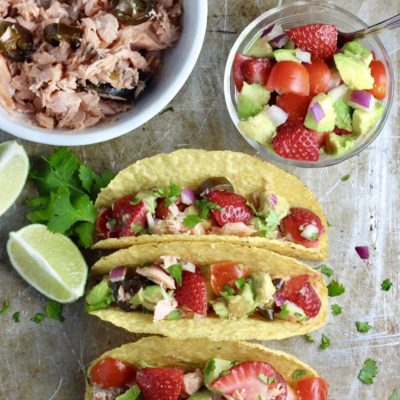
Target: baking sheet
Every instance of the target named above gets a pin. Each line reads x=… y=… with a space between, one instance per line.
x=47 y=361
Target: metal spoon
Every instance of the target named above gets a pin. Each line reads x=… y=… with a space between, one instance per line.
x=387 y=25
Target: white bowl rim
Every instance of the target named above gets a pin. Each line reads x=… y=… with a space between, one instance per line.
x=106 y=132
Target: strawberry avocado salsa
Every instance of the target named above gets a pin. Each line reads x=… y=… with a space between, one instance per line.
x=214 y=208
x=173 y=289
x=114 y=379
x=300 y=95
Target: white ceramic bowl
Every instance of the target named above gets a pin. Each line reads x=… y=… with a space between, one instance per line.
x=178 y=63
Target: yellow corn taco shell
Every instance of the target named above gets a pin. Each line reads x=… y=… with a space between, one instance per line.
x=212 y=327
x=189 y=354
x=189 y=168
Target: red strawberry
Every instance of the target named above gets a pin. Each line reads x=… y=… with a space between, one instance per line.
x=318 y=39
x=257 y=70
x=320 y=138
x=299 y=291
x=250 y=380
x=161 y=209
x=238 y=77
x=301 y=225
x=192 y=293
x=234 y=208
x=103 y=226
x=341 y=132
x=296 y=142
x=160 y=383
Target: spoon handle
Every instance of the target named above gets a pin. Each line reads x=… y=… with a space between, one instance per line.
x=386 y=25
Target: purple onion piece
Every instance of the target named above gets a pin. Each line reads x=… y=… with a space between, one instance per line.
x=317 y=111
x=117 y=274
x=272 y=200
x=361 y=98
x=187 y=196
x=267 y=30
x=279 y=299
x=279 y=41
x=363 y=252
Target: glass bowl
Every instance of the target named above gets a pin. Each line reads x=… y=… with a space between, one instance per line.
x=301 y=13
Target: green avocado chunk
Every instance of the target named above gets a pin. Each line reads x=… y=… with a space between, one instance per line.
x=259 y=48
x=214 y=368
x=343 y=115
x=202 y=395
x=285 y=55
x=259 y=128
x=327 y=123
x=131 y=394
x=263 y=288
x=99 y=297
x=148 y=297
x=364 y=121
x=243 y=304
x=149 y=198
x=336 y=144
x=252 y=99
x=356 y=48
x=220 y=309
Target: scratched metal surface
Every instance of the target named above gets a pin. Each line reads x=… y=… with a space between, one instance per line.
x=47 y=361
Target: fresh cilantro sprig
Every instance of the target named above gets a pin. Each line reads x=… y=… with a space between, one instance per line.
x=325 y=342
x=363 y=327
x=5 y=307
x=204 y=207
x=67 y=190
x=16 y=317
x=54 y=310
x=368 y=372
x=327 y=271
x=170 y=193
x=299 y=373
x=336 y=309
x=395 y=395
x=335 y=288
x=386 y=285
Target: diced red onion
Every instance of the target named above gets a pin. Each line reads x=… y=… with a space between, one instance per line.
x=279 y=41
x=279 y=299
x=361 y=99
x=317 y=111
x=363 y=252
x=338 y=93
x=117 y=274
x=187 y=196
x=277 y=115
x=272 y=200
x=272 y=32
x=303 y=56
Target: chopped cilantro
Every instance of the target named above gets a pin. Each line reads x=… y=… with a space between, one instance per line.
x=395 y=395
x=170 y=193
x=227 y=292
x=267 y=226
x=298 y=373
x=368 y=372
x=345 y=178
x=209 y=368
x=38 y=318
x=328 y=271
x=335 y=288
x=284 y=313
x=167 y=109
x=314 y=236
x=135 y=201
x=5 y=307
x=240 y=282
x=266 y=379
x=137 y=229
x=329 y=224
x=336 y=309
x=176 y=272
x=15 y=317
x=309 y=338
x=173 y=315
x=191 y=221
x=386 y=285
x=325 y=342
x=363 y=327
x=54 y=310
x=205 y=206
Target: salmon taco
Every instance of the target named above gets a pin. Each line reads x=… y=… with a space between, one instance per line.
x=217 y=291
x=157 y=368
x=211 y=196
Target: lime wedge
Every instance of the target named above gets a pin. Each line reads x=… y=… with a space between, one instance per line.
x=50 y=262
x=14 y=168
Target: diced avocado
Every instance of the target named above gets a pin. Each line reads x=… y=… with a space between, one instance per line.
x=343 y=115
x=202 y=395
x=259 y=128
x=285 y=55
x=259 y=48
x=281 y=207
x=263 y=288
x=132 y=393
x=363 y=121
x=243 y=304
x=354 y=72
x=356 y=48
x=214 y=368
x=289 y=45
x=153 y=294
x=336 y=144
x=148 y=198
x=252 y=99
x=192 y=210
x=327 y=123
x=99 y=297
x=221 y=309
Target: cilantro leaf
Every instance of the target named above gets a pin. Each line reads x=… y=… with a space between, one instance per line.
x=345 y=178
x=176 y=272
x=266 y=379
x=309 y=338
x=363 y=327
x=170 y=193
x=336 y=309
x=191 y=221
x=15 y=317
x=298 y=373
x=284 y=313
x=5 y=307
x=205 y=206
x=38 y=318
x=240 y=282
x=167 y=109
x=368 y=372
x=395 y=395
x=267 y=226
x=100 y=181
x=54 y=310
x=87 y=177
x=328 y=271
x=325 y=342
x=386 y=285
x=335 y=288
x=343 y=115
x=84 y=231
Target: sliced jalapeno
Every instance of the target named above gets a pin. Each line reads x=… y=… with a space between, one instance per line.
x=108 y=91
x=55 y=33
x=16 y=42
x=132 y=12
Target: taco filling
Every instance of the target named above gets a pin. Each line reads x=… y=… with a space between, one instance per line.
x=172 y=288
x=114 y=379
x=212 y=209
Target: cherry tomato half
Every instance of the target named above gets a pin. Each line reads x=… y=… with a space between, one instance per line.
x=320 y=76
x=296 y=106
x=289 y=77
x=312 y=389
x=226 y=273
x=379 y=74
x=110 y=373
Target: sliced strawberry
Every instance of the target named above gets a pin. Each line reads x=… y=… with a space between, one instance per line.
x=299 y=291
x=105 y=228
x=160 y=383
x=238 y=77
x=233 y=206
x=318 y=39
x=257 y=70
x=192 y=292
x=296 y=142
x=161 y=209
x=341 y=132
x=303 y=227
x=248 y=380
x=226 y=273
